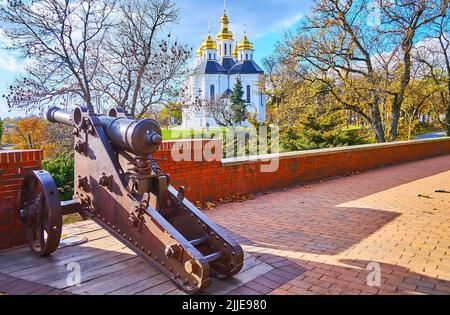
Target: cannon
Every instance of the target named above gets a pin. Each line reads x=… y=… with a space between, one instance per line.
x=119 y=184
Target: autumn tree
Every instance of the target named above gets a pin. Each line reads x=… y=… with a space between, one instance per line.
x=433 y=55
x=30 y=133
x=335 y=47
x=401 y=21
x=172 y=113
x=364 y=66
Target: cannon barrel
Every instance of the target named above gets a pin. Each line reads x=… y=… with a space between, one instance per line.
x=140 y=137
x=56 y=115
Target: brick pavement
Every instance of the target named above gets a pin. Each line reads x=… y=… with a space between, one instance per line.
x=321 y=238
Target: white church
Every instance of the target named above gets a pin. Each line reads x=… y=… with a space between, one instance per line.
x=219 y=63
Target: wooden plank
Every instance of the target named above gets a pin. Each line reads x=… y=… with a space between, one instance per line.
x=160 y=289
x=129 y=262
x=44 y=290
x=78 y=255
x=107 y=267
x=223 y=287
x=24 y=258
x=250 y=262
x=23 y=287
x=115 y=281
x=176 y=292
x=89 y=264
x=59 y=270
x=141 y=286
x=7 y=280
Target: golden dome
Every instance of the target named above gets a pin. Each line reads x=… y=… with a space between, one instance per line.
x=198 y=53
x=245 y=44
x=236 y=51
x=225 y=33
x=209 y=43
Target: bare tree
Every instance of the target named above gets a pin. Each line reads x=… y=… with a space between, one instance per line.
x=220 y=110
x=62 y=41
x=336 y=47
x=365 y=66
x=90 y=52
x=141 y=69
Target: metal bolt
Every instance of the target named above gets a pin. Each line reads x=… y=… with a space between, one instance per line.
x=190 y=266
x=172 y=251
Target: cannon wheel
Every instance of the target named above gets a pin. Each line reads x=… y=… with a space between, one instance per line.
x=41 y=212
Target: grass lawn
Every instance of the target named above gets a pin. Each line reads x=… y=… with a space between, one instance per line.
x=352 y=127
x=178 y=134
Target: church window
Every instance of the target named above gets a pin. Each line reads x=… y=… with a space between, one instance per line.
x=248 y=94
x=212 y=90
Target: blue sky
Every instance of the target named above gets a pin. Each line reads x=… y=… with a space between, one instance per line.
x=264 y=20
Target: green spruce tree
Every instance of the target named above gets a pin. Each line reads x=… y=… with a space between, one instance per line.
x=238 y=107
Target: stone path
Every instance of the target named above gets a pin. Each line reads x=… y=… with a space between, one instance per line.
x=392 y=217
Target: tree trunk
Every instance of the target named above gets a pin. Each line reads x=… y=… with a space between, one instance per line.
x=406 y=78
x=396 y=106
x=447 y=112
x=447 y=115
x=377 y=123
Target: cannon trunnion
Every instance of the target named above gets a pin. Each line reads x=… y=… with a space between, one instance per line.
x=119 y=185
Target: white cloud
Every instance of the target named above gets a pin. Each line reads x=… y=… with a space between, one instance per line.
x=9 y=63
x=261 y=17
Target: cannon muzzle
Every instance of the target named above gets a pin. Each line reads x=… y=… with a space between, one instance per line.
x=140 y=137
x=57 y=115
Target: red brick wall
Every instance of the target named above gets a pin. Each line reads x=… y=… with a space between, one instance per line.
x=207 y=181
x=14 y=165
x=211 y=180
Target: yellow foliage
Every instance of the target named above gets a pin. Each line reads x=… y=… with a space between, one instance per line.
x=32 y=133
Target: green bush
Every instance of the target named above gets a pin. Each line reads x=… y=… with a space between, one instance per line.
x=62 y=170
x=320 y=132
